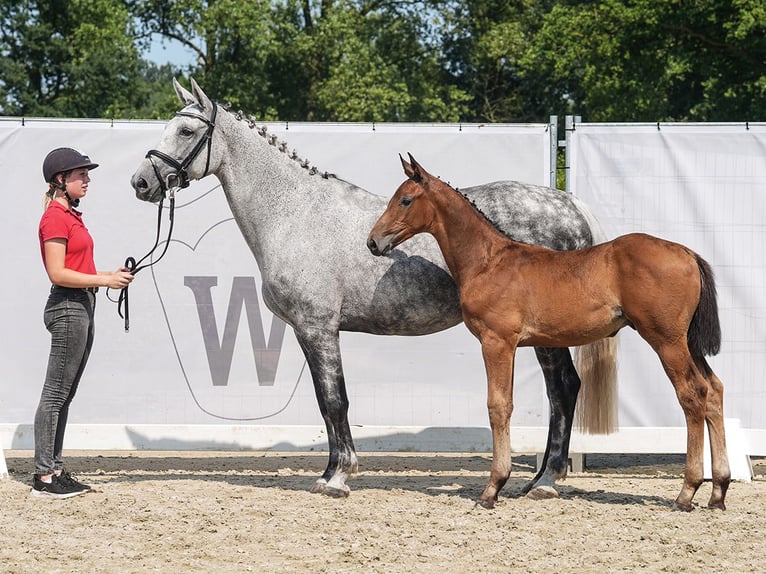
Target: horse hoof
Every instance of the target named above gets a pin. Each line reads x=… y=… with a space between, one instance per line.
x=542 y=493
x=682 y=507
x=488 y=504
x=333 y=492
x=716 y=505
x=319 y=487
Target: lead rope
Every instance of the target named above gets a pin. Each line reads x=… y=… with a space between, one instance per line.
x=134 y=267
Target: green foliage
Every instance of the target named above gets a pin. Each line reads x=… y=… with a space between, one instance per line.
x=320 y=61
x=646 y=60
x=72 y=58
x=392 y=60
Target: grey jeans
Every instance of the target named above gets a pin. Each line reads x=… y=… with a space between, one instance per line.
x=68 y=316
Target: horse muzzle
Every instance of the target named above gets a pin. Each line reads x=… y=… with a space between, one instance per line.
x=380 y=246
x=145 y=191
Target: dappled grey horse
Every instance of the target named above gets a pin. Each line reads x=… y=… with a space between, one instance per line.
x=307 y=231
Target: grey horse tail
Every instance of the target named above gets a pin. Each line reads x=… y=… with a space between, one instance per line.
x=704 y=335
x=597 y=232
x=596 y=363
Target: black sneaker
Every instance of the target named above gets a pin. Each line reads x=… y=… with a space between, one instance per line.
x=53 y=489
x=67 y=479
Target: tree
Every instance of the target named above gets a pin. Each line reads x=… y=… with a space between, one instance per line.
x=643 y=60
x=74 y=58
x=302 y=60
x=485 y=42
x=392 y=60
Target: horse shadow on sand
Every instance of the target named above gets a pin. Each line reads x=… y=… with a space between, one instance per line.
x=285 y=468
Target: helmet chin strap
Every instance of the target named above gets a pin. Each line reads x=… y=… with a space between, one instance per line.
x=72 y=202
x=62 y=187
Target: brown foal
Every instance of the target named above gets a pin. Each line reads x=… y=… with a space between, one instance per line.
x=514 y=294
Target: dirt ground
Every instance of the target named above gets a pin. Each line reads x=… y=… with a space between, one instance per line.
x=408 y=512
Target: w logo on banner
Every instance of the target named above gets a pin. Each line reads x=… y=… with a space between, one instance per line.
x=220 y=350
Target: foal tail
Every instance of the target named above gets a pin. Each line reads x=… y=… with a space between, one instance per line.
x=596 y=364
x=704 y=334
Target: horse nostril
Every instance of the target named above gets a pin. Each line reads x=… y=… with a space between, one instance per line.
x=372 y=246
x=141 y=183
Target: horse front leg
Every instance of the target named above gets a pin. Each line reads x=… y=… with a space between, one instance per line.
x=562 y=385
x=498 y=361
x=322 y=351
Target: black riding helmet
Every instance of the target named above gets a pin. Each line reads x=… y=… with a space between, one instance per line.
x=62 y=160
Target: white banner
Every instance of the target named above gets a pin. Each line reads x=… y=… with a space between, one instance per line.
x=159 y=373
x=702 y=185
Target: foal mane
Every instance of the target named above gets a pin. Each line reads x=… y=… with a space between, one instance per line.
x=475 y=207
x=273 y=140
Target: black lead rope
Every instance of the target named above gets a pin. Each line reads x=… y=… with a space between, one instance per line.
x=180 y=180
x=133 y=266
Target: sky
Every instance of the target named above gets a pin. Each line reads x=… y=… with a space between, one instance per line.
x=162 y=51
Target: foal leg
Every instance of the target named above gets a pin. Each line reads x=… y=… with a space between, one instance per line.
x=322 y=351
x=692 y=391
x=498 y=361
x=719 y=457
x=562 y=385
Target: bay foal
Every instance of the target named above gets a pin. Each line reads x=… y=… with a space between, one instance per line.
x=514 y=294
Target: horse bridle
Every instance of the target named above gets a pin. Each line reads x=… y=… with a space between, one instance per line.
x=180 y=174
x=181 y=178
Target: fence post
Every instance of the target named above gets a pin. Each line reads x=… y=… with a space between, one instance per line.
x=570 y=124
x=553 y=126
x=3 y=466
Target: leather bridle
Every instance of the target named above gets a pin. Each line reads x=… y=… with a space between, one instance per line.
x=180 y=175
x=181 y=179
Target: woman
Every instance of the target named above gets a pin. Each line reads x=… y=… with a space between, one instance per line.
x=67 y=252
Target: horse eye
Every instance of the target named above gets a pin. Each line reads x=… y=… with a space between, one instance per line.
x=405 y=201
x=186 y=132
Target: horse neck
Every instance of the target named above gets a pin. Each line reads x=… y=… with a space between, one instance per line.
x=466 y=238
x=267 y=190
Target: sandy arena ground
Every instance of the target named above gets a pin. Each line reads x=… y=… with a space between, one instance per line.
x=224 y=512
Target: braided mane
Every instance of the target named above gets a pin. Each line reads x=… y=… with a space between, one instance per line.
x=273 y=140
x=472 y=204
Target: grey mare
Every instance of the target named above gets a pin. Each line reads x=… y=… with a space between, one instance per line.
x=307 y=231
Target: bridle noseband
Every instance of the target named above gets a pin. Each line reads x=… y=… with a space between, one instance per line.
x=181 y=179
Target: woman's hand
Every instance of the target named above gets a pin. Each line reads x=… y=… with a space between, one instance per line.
x=119 y=279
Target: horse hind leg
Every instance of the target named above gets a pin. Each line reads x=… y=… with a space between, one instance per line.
x=562 y=385
x=322 y=352
x=692 y=390
x=715 y=424
x=704 y=338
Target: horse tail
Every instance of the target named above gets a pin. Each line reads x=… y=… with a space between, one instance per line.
x=704 y=334
x=596 y=364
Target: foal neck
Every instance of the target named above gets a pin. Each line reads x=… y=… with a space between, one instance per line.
x=466 y=237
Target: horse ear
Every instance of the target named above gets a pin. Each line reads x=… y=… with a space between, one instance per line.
x=200 y=96
x=407 y=167
x=183 y=94
x=418 y=173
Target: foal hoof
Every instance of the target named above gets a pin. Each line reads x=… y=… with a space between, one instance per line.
x=542 y=493
x=718 y=504
x=682 y=507
x=488 y=504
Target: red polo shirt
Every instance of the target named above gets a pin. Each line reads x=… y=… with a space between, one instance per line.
x=59 y=222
